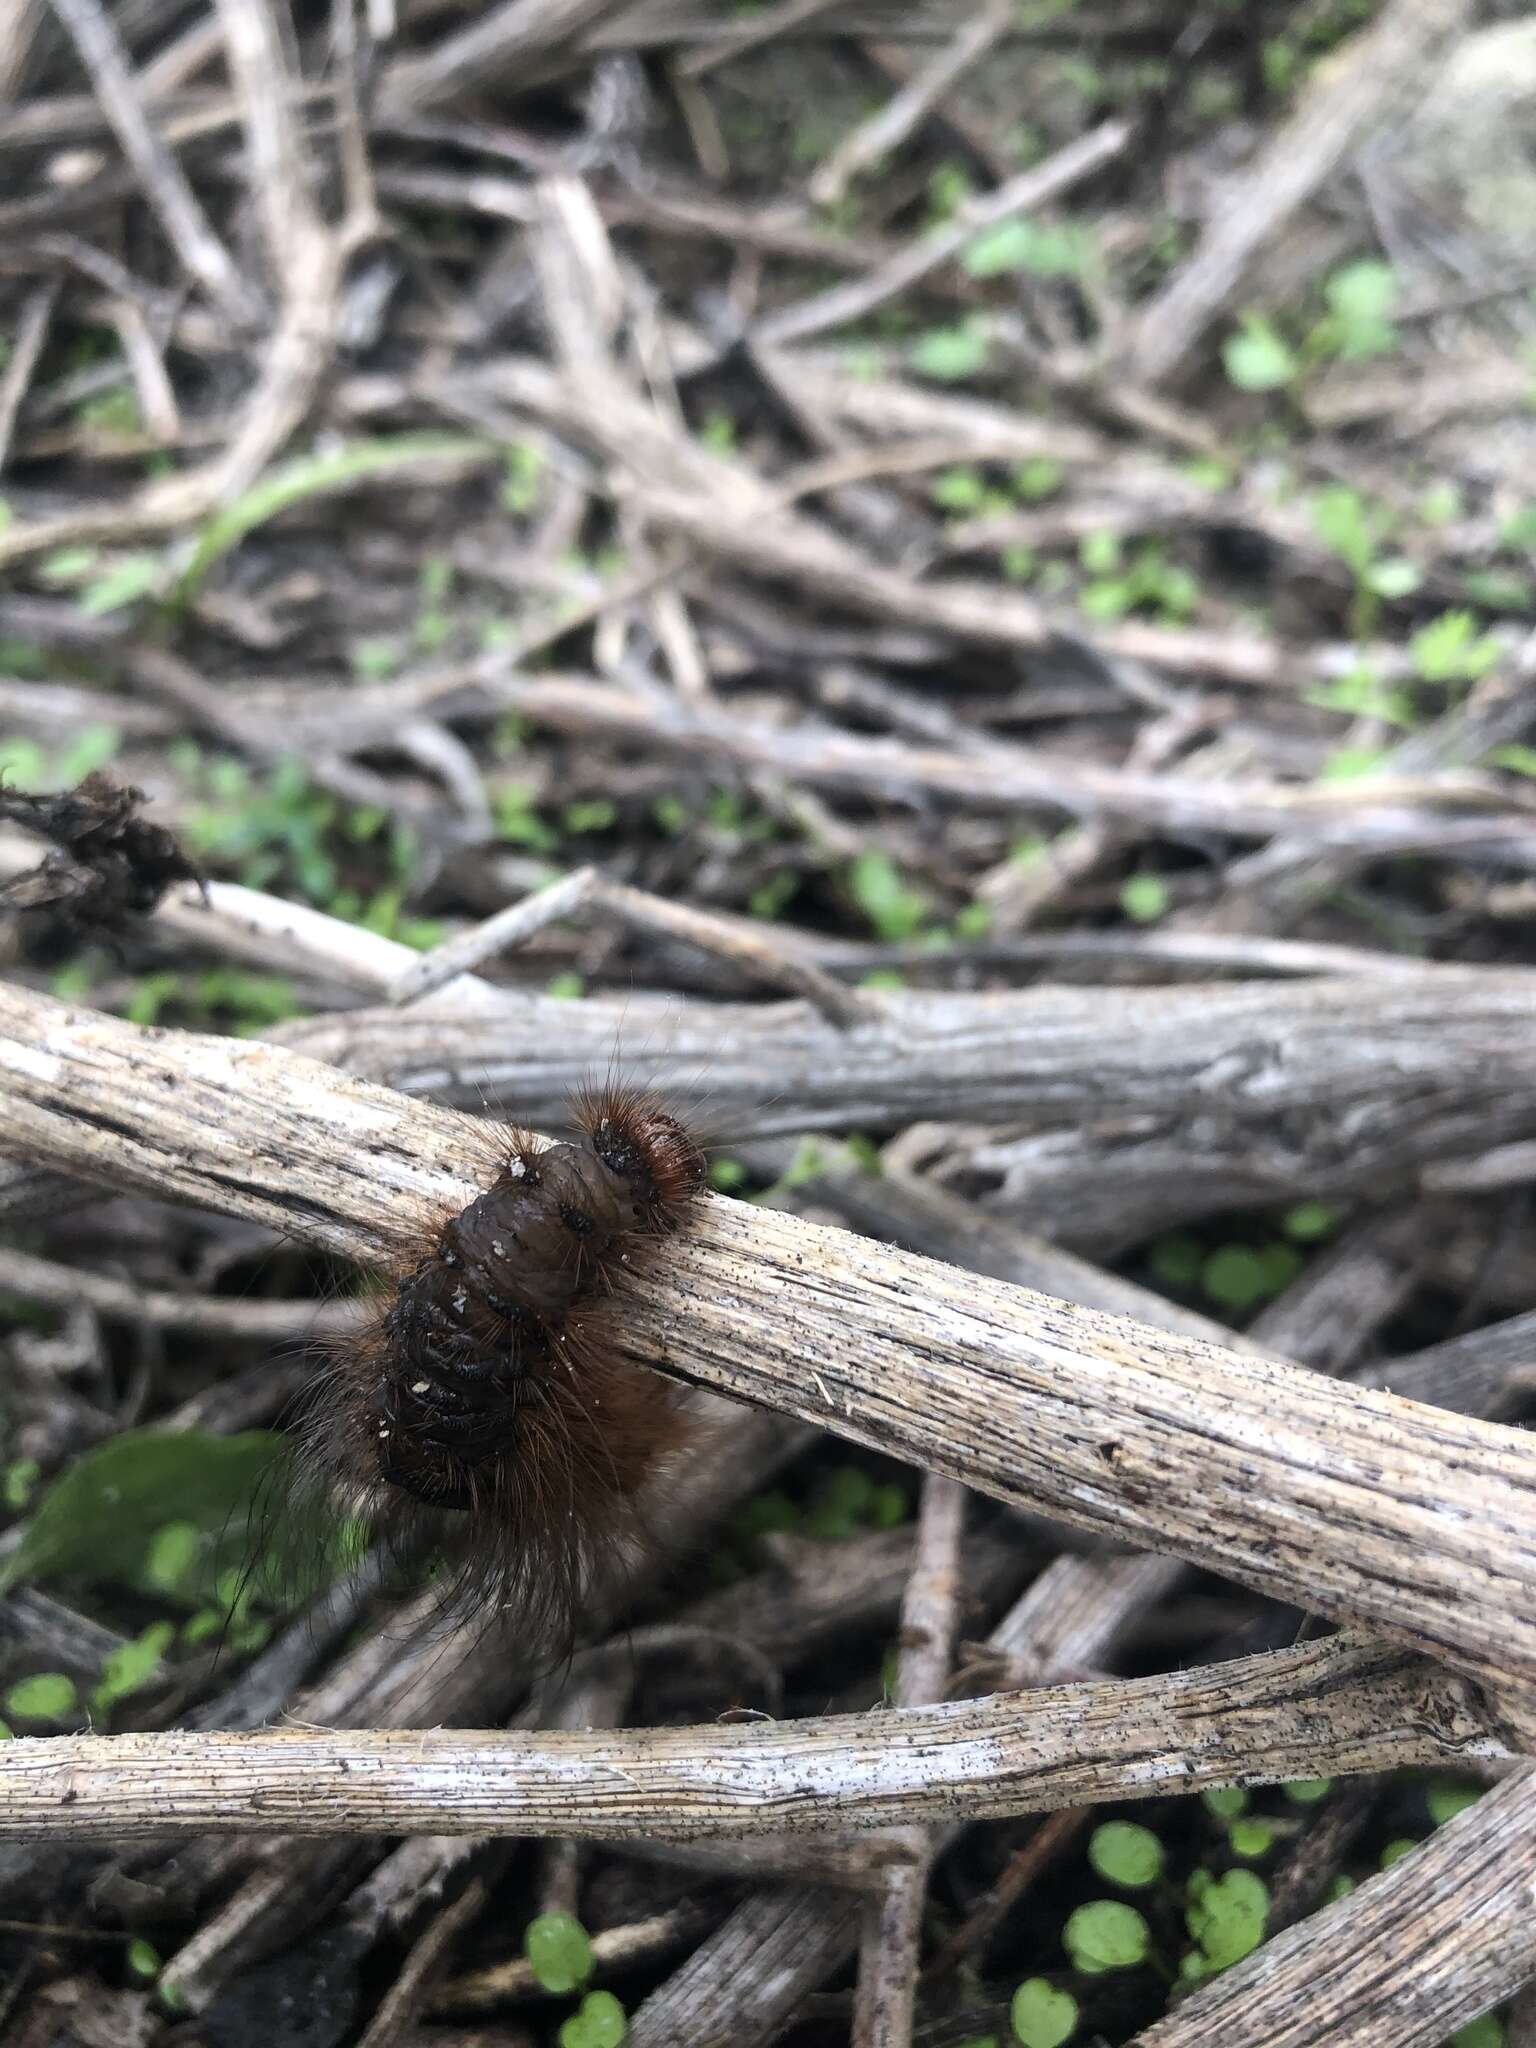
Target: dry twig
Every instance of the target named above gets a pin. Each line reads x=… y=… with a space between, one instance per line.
x=1343 y=1705
x=893 y=1922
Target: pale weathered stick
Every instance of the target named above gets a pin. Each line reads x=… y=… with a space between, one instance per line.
x=739 y=1986
x=589 y=889
x=1370 y=1076
x=1353 y=1503
x=885 y=1998
x=516 y=34
x=159 y=1308
x=614 y=1949
x=1334 y=1706
x=1156 y=1104
x=1440 y=1937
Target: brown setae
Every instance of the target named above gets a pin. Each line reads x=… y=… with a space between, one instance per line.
x=486 y=1404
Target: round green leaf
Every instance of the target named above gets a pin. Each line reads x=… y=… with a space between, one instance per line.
x=1279 y=1263
x=1144 y=898
x=849 y=1491
x=1396 y=577
x=1251 y=1837
x=888 y=1509
x=1123 y=1853
x=47 y=1696
x=1488 y=2032
x=1227 y=1916
x=18 y=1481
x=1448 y=1797
x=1396 y=1850
x=558 y=1951
x=1100 y=553
x=1258 y=359
x=143 y=1959
x=133 y=1665
x=171 y=1555
x=1234 y=1277
x=1039 y=477
x=892 y=907
x=959 y=490
x=1308 y=1221
x=950 y=353
x=1366 y=290
x=1225 y=1801
x=1105 y=1935
x=1043 y=2016
x=598 y=2022
x=1005 y=247
x=1176 y=1260
x=1307 y=1791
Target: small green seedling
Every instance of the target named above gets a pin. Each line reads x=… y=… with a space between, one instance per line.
x=45 y=1696
x=598 y=2022
x=558 y=1951
x=1126 y=1854
x=143 y=1960
x=1225 y=1916
x=1042 y=2015
x=1106 y=1935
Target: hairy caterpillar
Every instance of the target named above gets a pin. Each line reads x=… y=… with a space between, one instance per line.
x=485 y=1404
